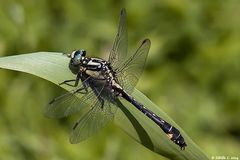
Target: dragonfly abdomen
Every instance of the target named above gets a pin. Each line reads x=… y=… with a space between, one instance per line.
x=173 y=133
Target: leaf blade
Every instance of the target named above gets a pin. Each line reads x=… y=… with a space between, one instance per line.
x=54 y=68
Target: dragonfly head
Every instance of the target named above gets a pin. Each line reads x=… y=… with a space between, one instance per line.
x=76 y=60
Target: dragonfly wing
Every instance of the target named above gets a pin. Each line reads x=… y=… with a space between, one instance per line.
x=120 y=45
x=131 y=70
x=70 y=102
x=92 y=122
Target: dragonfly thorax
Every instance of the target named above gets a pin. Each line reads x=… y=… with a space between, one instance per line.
x=96 y=68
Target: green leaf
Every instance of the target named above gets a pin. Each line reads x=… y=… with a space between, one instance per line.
x=54 y=67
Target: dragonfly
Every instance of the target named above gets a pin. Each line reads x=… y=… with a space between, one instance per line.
x=98 y=85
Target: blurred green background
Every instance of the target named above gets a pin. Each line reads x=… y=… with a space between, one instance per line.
x=192 y=72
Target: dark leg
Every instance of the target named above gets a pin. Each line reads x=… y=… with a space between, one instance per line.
x=101 y=101
x=82 y=90
x=66 y=82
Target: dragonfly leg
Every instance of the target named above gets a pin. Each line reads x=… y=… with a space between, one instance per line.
x=82 y=90
x=66 y=82
x=101 y=101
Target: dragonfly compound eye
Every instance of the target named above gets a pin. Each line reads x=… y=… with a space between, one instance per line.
x=76 y=56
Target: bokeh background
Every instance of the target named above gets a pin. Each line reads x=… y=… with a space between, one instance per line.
x=192 y=72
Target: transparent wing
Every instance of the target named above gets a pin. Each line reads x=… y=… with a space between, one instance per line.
x=93 y=121
x=130 y=71
x=71 y=102
x=120 y=45
x=68 y=104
